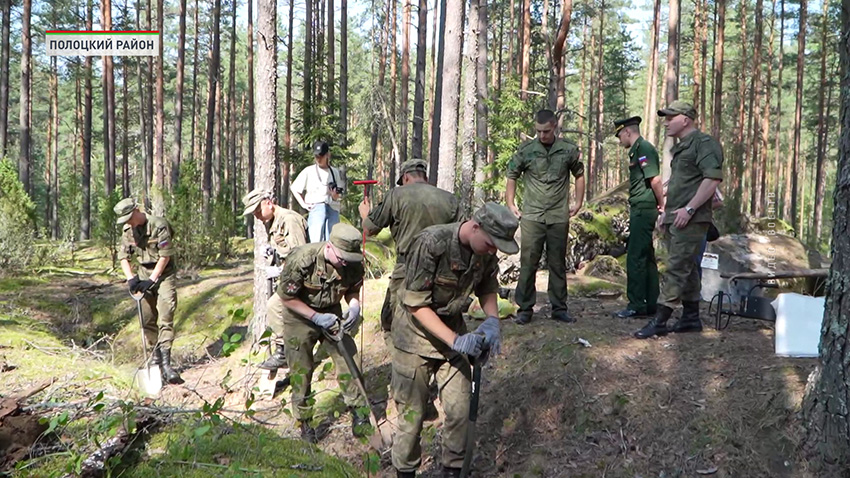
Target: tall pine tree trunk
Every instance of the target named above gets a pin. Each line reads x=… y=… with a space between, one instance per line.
x=755 y=112
x=178 y=100
x=125 y=134
x=600 y=102
x=558 y=58
x=652 y=82
x=419 y=88
x=231 y=114
x=470 y=96
x=159 y=180
x=820 y=171
x=109 y=162
x=525 y=55
x=672 y=76
x=437 y=97
x=266 y=127
x=405 y=81
x=149 y=112
x=85 y=210
x=287 y=131
x=6 y=11
x=54 y=99
x=343 y=69
x=24 y=163
x=331 y=55
x=697 y=86
x=250 y=119
x=717 y=110
x=777 y=157
x=144 y=126
x=393 y=41
x=450 y=95
x=196 y=142
x=481 y=134
x=207 y=180
x=798 y=118
x=307 y=99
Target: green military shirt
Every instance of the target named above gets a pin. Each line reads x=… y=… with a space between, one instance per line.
x=697 y=156
x=407 y=210
x=148 y=242
x=287 y=230
x=441 y=274
x=309 y=277
x=643 y=166
x=546 y=179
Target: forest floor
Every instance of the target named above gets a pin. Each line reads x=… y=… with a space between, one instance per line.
x=709 y=404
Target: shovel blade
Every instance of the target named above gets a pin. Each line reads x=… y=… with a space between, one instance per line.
x=148 y=380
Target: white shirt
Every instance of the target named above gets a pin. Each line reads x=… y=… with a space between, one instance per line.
x=314 y=180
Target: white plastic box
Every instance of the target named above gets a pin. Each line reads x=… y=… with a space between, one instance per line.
x=798 y=324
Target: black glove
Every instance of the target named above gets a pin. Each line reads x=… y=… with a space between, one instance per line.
x=133 y=283
x=145 y=285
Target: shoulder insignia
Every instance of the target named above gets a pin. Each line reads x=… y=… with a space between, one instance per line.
x=643 y=162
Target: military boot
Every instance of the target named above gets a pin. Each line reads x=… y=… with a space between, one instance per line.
x=451 y=472
x=309 y=433
x=168 y=374
x=276 y=361
x=690 y=321
x=656 y=326
x=562 y=316
x=523 y=317
x=359 y=424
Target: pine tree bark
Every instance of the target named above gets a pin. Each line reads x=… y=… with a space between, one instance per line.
x=48 y=169
x=85 y=209
x=717 y=113
x=231 y=115
x=393 y=41
x=145 y=127
x=697 y=84
x=109 y=161
x=652 y=82
x=250 y=119
x=159 y=172
x=558 y=59
x=54 y=165
x=450 y=95
x=266 y=128
x=777 y=163
x=287 y=128
x=25 y=123
x=798 y=115
x=755 y=111
x=331 y=54
x=820 y=169
x=470 y=96
x=149 y=112
x=525 y=55
x=600 y=102
x=207 y=179
x=671 y=93
x=178 y=99
x=196 y=140
x=437 y=98
x=511 y=37
x=343 y=68
x=765 y=123
x=405 y=82
x=6 y=11
x=703 y=66
x=481 y=133
x=419 y=88
x=307 y=98
x=582 y=111
x=125 y=134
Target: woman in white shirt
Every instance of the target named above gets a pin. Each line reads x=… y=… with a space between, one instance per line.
x=321 y=188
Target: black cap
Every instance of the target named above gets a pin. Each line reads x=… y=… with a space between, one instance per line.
x=620 y=124
x=320 y=148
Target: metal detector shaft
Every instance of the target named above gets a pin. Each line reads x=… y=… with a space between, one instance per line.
x=473 y=417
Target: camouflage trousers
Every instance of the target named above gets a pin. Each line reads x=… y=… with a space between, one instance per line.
x=681 y=279
x=158 y=308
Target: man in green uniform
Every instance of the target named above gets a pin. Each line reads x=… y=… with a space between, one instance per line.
x=407 y=210
x=149 y=239
x=646 y=199
x=286 y=230
x=314 y=280
x=545 y=164
x=697 y=170
x=445 y=264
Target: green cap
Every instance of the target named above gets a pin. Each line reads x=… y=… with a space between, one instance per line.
x=620 y=124
x=124 y=209
x=410 y=166
x=253 y=199
x=679 y=108
x=500 y=223
x=347 y=240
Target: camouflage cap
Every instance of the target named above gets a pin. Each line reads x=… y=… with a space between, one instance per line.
x=500 y=223
x=411 y=166
x=347 y=241
x=620 y=124
x=679 y=108
x=124 y=209
x=253 y=199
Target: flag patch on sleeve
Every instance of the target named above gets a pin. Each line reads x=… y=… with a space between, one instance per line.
x=643 y=162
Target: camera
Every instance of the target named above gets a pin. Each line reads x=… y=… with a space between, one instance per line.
x=334 y=188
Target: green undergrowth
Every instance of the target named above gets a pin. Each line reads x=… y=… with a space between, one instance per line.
x=590 y=286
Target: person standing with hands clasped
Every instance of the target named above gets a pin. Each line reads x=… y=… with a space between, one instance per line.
x=445 y=264
x=321 y=186
x=149 y=239
x=697 y=170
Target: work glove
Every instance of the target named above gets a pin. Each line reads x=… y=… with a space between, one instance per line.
x=351 y=317
x=146 y=285
x=272 y=272
x=132 y=283
x=491 y=329
x=325 y=321
x=469 y=344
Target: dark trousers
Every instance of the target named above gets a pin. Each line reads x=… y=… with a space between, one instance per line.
x=534 y=236
x=641 y=266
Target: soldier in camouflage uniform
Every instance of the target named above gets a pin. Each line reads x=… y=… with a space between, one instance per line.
x=407 y=210
x=646 y=199
x=315 y=279
x=149 y=239
x=697 y=171
x=286 y=230
x=445 y=264
x=545 y=164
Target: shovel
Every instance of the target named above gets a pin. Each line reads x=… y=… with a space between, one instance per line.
x=382 y=438
x=473 y=416
x=148 y=378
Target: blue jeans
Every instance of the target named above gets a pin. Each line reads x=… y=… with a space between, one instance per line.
x=320 y=221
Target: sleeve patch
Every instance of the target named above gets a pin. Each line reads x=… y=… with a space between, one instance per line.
x=643 y=161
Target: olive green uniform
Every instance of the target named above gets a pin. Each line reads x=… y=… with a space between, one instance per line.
x=307 y=276
x=407 y=210
x=698 y=156
x=641 y=265
x=286 y=231
x=441 y=274
x=545 y=216
x=149 y=242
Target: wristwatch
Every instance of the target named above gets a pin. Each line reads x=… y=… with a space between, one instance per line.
x=689 y=210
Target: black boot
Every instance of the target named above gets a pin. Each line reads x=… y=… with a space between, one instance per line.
x=359 y=424
x=656 y=326
x=405 y=474
x=562 y=316
x=309 y=433
x=523 y=317
x=276 y=361
x=690 y=321
x=169 y=375
x=451 y=472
